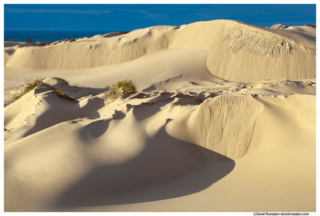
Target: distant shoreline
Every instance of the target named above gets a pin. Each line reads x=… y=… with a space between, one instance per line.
x=49 y=36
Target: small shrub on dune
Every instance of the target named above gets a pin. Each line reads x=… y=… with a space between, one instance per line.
x=113 y=93
x=122 y=88
x=128 y=86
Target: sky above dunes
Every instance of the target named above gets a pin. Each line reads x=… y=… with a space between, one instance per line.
x=112 y=17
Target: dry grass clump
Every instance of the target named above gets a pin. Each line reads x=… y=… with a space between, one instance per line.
x=29 y=85
x=63 y=81
x=121 y=89
x=60 y=94
x=128 y=86
x=33 y=82
x=113 y=93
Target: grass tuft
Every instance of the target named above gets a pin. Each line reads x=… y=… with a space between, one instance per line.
x=122 y=88
x=63 y=81
x=60 y=94
x=128 y=86
x=29 y=85
x=33 y=82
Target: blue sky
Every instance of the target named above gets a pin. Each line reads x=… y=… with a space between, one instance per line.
x=125 y=17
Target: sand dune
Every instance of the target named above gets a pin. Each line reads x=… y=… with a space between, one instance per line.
x=223 y=120
x=236 y=51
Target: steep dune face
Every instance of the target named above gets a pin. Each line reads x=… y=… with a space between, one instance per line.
x=225 y=124
x=237 y=51
x=246 y=53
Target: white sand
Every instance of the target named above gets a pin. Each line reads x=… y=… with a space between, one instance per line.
x=224 y=120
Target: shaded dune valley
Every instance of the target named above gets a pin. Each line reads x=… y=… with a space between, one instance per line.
x=223 y=119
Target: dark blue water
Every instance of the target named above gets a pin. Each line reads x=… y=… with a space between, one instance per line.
x=50 y=36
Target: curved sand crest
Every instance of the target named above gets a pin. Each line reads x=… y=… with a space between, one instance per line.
x=237 y=51
x=16 y=114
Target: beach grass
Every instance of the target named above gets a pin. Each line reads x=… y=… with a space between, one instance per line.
x=29 y=85
x=121 y=89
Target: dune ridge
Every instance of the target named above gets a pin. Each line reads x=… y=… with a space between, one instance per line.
x=236 y=50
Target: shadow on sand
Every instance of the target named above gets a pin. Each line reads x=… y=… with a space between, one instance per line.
x=61 y=110
x=166 y=168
